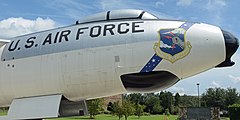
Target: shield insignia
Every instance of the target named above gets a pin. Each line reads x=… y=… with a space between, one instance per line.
x=172 y=44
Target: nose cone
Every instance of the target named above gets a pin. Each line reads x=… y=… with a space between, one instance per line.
x=232 y=44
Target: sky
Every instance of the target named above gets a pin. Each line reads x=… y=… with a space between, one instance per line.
x=18 y=17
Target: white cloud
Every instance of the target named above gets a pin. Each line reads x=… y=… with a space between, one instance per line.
x=119 y=4
x=215 y=5
x=77 y=10
x=234 y=79
x=13 y=27
x=214 y=8
x=221 y=2
x=215 y=84
x=176 y=89
x=236 y=57
x=159 y=3
x=70 y=9
x=194 y=18
x=184 y=2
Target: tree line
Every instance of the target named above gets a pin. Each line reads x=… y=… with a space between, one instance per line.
x=165 y=102
x=219 y=97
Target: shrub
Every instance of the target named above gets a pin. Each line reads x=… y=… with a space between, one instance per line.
x=167 y=112
x=234 y=111
x=146 y=114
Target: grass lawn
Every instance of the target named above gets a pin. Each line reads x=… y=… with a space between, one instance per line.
x=110 y=117
x=3 y=113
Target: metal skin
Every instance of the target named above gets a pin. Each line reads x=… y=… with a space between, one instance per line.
x=86 y=60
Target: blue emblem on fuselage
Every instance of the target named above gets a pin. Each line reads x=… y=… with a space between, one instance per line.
x=171 y=41
x=172 y=44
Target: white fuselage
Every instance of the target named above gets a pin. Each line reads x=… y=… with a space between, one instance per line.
x=86 y=61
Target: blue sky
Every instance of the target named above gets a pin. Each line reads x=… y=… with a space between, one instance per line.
x=25 y=16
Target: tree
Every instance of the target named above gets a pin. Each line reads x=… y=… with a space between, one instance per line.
x=135 y=98
x=177 y=99
x=215 y=97
x=188 y=101
x=238 y=101
x=151 y=100
x=167 y=112
x=139 y=110
x=117 y=109
x=219 y=97
x=166 y=100
x=231 y=96
x=94 y=107
x=234 y=111
x=128 y=108
x=157 y=108
x=175 y=110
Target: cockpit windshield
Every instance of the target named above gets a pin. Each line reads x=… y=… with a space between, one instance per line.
x=118 y=15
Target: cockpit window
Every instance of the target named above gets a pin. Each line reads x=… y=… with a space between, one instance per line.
x=147 y=15
x=124 y=14
x=118 y=15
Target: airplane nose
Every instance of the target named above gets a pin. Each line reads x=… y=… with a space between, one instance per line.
x=232 y=44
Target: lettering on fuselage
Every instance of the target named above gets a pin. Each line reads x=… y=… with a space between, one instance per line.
x=55 y=37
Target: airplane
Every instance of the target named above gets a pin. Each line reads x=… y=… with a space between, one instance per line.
x=52 y=73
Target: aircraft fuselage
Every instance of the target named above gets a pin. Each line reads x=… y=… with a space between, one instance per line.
x=114 y=56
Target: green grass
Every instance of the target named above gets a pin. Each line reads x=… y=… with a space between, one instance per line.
x=224 y=118
x=3 y=113
x=110 y=117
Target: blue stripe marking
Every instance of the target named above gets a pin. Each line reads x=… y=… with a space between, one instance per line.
x=152 y=63
x=186 y=25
